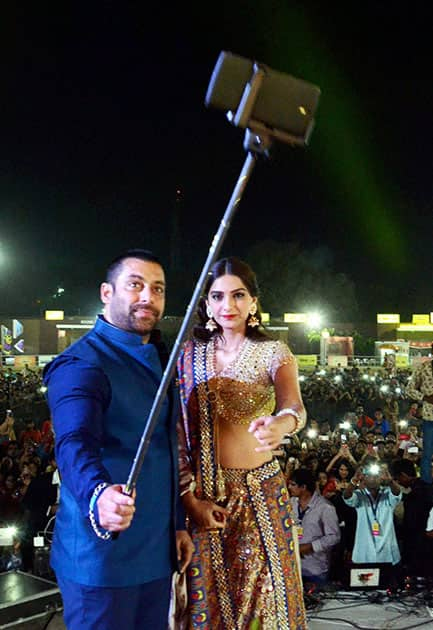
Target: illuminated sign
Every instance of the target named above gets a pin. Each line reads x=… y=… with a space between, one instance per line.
x=401 y=360
x=54 y=315
x=266 y=317
x=306 y=360
x=388 y=318
x=421 y=320
x=295 y=318
x=415 y=328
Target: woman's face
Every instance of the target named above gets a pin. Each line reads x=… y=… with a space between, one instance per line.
x=230 y=303
x=343 y=471
x=322 y=479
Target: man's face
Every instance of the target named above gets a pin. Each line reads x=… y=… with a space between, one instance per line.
x=389 y=448
x=378 y=415
x=404 y=480
x=372 y=481
x=136 y=301
x=294 y=489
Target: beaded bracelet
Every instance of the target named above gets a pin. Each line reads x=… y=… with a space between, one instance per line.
x=289 y=411
x=105 y=535
x=191 y=488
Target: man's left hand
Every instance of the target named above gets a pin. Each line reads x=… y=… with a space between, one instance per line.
x=184 y=548
x=305 y=549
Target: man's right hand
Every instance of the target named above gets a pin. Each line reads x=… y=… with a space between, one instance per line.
x=115 y=509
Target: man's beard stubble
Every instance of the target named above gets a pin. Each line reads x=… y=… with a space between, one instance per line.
x=144 y=326
x=129 y=322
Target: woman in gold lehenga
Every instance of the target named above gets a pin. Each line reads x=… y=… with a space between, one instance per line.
x=244 y=572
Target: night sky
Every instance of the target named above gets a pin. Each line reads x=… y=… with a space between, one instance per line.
x=102 y=120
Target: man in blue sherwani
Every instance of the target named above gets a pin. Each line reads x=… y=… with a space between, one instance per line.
x=100 y=391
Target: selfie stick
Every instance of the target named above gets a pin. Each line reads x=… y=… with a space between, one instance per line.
x=258 y=139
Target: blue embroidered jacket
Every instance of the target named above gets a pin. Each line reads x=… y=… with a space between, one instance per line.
x=100 y=391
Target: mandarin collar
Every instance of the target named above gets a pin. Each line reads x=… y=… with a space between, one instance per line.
x=105 y=329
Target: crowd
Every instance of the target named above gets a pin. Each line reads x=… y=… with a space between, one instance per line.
x=363 y=435
x=23 y=391
x=28 y=478
x=330 y=394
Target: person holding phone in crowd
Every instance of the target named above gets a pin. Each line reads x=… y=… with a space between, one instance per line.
x=374 y=494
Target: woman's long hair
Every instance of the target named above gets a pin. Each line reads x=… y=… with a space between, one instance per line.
x=343 y=462
x=234 y=267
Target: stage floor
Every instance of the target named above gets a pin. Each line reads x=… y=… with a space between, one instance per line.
x=356 y=610
x=27 y=599
x=343 y=609
x=337 y=614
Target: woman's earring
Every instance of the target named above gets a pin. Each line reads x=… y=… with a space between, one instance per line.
x=211 y=324
x=253 y=322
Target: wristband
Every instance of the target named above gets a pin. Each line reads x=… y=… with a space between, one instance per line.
x=104 y=534
x=289 y=411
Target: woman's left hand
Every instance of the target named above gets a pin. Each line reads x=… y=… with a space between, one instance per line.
x=268 y=431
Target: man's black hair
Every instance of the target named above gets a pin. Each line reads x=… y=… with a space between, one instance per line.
x=406 y=466
x=304 y=477
x=115 y=265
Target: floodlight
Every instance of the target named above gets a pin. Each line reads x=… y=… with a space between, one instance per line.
x=7 y=535
x=314 y=320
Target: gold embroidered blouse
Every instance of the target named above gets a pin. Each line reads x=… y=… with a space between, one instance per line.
x=243 y=389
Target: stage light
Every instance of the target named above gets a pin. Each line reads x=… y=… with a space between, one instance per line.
x=7 y=535
x=314 y=320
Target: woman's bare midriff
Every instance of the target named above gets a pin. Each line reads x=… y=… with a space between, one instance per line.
x=236 y=447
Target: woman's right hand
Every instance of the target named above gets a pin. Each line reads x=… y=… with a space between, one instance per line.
x=206 y=514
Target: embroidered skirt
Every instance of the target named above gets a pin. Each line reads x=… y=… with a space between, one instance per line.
x=247 y=576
